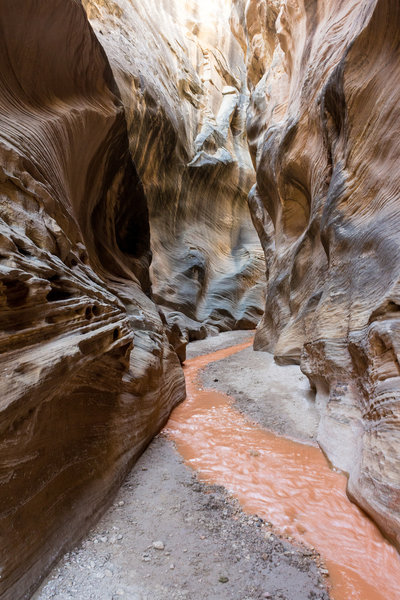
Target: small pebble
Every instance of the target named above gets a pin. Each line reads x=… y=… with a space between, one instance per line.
x=158 y=545
x=223 y=579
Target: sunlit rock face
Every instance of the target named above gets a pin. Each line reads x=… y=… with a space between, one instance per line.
x=324 y=135
x=181 y=74
x=87 y=372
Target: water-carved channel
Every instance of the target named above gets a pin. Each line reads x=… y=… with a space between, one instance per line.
x=285 y=482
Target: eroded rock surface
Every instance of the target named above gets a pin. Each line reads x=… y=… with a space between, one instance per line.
x=182 y=79
x=87 y=372
x=323 y=133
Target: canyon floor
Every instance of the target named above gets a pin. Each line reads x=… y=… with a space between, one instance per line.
x=168 y=536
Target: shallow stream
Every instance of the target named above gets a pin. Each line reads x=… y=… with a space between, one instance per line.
x=286 y=483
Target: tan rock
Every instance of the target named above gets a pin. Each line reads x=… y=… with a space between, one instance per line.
x=87 y=372
x=182 y=79
x=323 y=132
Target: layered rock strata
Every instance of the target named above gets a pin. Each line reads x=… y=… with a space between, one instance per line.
x=323 y=133
x=182 y=79
x=87 y=373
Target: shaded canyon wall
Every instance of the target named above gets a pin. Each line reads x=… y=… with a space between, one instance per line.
x=87 y=373
x=323 y=129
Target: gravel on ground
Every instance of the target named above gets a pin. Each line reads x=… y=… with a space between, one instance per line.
x=168 y=536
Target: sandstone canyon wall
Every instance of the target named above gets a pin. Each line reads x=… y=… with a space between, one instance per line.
x=323 y=129
x=182 y=79
x=87 y=373
x=159 y=95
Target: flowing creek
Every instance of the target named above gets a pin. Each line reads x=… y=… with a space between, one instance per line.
x=286 y=483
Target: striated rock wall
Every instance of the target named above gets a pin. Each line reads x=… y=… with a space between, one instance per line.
x=87 y=372
x=182 y=79
x=324 y=136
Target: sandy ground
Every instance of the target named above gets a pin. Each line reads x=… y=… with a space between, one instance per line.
x=169 y=537
x=278 y=398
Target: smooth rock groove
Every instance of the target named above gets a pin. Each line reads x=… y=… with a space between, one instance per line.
x=182 y=78
x=323 y=129
x=286 y=483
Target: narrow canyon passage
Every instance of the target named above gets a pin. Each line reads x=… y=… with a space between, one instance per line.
x=169 y=536
x=286 y=483
x=175 y=174
x=205 y=536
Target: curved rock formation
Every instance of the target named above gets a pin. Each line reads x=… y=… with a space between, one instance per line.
x=182 y=79
x=323 y=133
x=87 y=372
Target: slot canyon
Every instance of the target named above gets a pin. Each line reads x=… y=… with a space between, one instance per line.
x=199 y=300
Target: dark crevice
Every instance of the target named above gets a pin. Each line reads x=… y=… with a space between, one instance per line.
x=16 y=292
x=57 y=294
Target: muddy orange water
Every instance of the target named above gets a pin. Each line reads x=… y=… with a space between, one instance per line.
x=288 y=484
